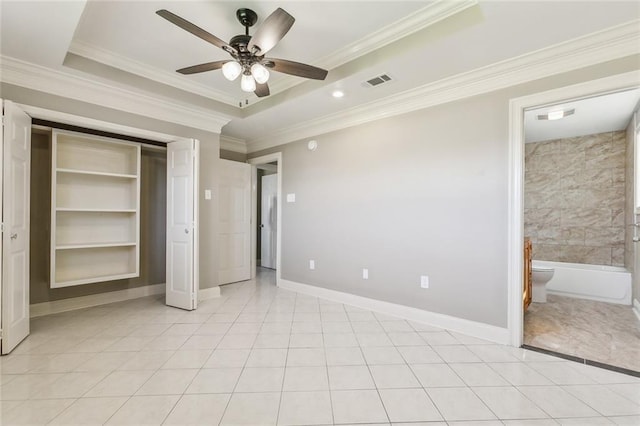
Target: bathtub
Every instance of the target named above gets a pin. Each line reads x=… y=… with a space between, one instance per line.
x=595 y=282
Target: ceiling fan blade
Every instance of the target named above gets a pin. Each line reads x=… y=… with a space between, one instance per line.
x=195 y=30
x=262 y=90
x=271 y=31
x=296 y=68
x=208 y=66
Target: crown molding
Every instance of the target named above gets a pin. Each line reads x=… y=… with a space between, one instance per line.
x=606 y=45
x=229 y=143
x=416 y=21
x=133 y=66
x=35 y=77
x=429 y=15
x=422 y=18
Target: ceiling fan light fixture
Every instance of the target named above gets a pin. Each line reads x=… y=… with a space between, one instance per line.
x=231 y=70
x=260 y=73
x=247 y=84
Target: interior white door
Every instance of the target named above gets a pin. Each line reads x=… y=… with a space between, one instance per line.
x=234 y=238
x=268 y=224
x=16 y=170
x=182 y=185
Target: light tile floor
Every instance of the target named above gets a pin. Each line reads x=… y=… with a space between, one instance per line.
x=597 y=331
x=260 y=355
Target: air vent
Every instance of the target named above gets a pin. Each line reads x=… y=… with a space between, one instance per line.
x=376 y=81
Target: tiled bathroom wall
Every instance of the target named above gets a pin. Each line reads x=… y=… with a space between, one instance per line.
x=575 y=199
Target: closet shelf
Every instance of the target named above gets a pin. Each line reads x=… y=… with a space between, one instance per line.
x=93 y=173
x=96 y=279
x=71 y=209
x=93 y=245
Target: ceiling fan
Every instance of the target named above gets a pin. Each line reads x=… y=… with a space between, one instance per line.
x=248 y=51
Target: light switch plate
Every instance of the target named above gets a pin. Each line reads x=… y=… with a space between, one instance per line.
x=365 y=274
x=207 y=194
x=291 y=198
x=312 y=264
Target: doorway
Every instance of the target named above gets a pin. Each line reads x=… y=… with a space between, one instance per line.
x=266 y=206
x=267 y=214
x=518 y=228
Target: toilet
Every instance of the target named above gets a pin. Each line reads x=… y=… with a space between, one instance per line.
x=540 y=276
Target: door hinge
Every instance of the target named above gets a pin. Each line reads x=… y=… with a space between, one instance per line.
x=1 y=227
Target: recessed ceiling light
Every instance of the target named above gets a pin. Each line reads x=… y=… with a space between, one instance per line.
x=556 y=115
x=337 y=93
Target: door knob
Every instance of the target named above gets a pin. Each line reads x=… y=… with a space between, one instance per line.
x=186 y=230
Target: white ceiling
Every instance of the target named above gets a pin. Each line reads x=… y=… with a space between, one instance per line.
x=599 y=114
x=126 y=44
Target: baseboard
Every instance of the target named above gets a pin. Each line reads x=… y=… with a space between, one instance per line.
x=470 y=328
x=636 y=308
x=64 y=305
x=208 y=293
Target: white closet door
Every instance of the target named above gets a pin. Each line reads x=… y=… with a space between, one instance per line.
x=182 y=276
x=234 y=237
x=16 y=152
x=268 y=226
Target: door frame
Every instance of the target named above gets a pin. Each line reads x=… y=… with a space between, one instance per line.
x=515 y=235
x=265 y=159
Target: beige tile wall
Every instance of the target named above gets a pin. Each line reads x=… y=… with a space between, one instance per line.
x=575 y=199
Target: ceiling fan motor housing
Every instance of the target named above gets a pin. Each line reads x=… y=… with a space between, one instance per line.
x=247 y=17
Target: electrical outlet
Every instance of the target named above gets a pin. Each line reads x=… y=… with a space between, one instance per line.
x=312 y=264
x=424 y=281
x=365 y=274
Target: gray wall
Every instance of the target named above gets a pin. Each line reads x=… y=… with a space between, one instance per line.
x=575 y=197
x=153 y=202
x=209 y=156
x=421 y=193
x=233 y=156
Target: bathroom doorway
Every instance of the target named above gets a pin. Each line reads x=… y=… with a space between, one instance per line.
x=578 y=209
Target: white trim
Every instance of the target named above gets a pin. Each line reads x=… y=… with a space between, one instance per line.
x=606 y=45
x=460 y=325
x=105 y=126
x=416 y=21
x=229 y=143
x=515 y=220
x=208 y=293
x=636 y=308
x=72 y=86
x=64 y=305
x=98 y=54
x=269 y=158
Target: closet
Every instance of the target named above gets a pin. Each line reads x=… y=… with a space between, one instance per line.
x=95 y=209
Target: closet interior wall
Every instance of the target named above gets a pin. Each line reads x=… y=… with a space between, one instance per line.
x=153 y=190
